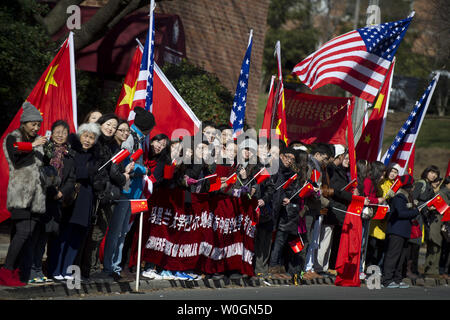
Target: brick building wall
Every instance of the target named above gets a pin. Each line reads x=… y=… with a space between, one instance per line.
x=216 y=34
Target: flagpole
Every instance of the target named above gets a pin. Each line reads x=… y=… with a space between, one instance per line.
x=380 y=141
x=298 y=191
x=254 y=177
x=138 y=269
x=72 y=81
x=427 y=104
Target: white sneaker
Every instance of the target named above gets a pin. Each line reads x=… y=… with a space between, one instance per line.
x=362 y=276
x=58 y=277
x=68 y=277
x=150 y=274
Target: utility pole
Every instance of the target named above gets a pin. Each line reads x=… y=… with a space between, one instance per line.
x=373 y=16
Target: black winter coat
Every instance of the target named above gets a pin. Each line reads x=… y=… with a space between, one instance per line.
x=341 y=198
x=287 y=216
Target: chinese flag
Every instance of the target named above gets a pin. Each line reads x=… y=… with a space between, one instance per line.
x=381 y=212
x=126 y=96
x=351 y=140
x=120 y=156
x=289 y=181
x=439 y=203
x=262 y=175
x=349 y=253
x=267 y=121
x=397 y=185
x=352 y=185
x=296 y=245
x=231 y=179
x=168 y=171
x=446 y=215
x=306 y=190
x=370 y=143
x=356 y=206
x=54 y=95
x=138 y=206
x=276 y=93
x=315 y=176
x=214 y=183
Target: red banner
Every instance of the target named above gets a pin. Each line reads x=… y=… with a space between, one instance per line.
x=216 y=234
x=311 y=118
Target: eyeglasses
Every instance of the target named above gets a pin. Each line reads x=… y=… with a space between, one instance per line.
x=124 y=130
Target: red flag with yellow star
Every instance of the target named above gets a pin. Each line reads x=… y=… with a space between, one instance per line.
x=371 y=140
x=126 y=96
x=54 y=95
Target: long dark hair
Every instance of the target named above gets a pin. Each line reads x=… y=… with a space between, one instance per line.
x=431 y=168
x=362 y=170
x=164 y=155
x=376 y=172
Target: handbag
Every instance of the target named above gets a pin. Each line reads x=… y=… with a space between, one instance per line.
x=416 y=231
x=68 y=201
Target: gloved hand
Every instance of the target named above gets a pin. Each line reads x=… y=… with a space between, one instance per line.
x=390 y=194
x=244 y=189
x=236 y=193
x=190 y=181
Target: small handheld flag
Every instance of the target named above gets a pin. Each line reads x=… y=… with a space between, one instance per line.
x=315 y=176
x=352 y=185
x=439 y=203
x=215 y=184
x=288 y=182
x=296 y=245
x=135 y=156
x=118 y=158
x=396 y=185
x=137 y=206
x=262 y=175
x=381 y=212
x=23 y=146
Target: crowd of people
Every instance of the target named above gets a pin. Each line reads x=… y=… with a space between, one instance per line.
x=68 y=201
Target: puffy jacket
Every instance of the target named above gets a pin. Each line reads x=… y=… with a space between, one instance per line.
x=400 y=216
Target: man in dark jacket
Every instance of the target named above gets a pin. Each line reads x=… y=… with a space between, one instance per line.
x=402 y=211
x=286 y=215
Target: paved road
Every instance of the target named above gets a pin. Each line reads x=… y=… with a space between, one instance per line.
x=283 y=293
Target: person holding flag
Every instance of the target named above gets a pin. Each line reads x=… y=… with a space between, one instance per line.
x=24 y=152
x=144 y=122
x=444 y=262
x=287 y=209
x=402 y=212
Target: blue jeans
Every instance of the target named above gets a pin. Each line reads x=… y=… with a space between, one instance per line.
x=115 y=237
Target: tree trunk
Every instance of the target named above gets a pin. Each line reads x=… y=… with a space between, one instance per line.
x=105 y=18
x=57 y=17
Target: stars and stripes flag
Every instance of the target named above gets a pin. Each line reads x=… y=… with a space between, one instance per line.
x=402 y=149
x=240 y=98
x=357 y=61
x=143 y=96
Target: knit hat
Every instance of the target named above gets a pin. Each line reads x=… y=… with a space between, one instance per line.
x=406 y=180
x=250 y=144
x=30 y=113
x=144 y=119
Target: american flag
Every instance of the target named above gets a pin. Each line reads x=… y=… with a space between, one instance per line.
x=402 y=149
x=357 y=61
x=240 y=98
x=143 y=96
